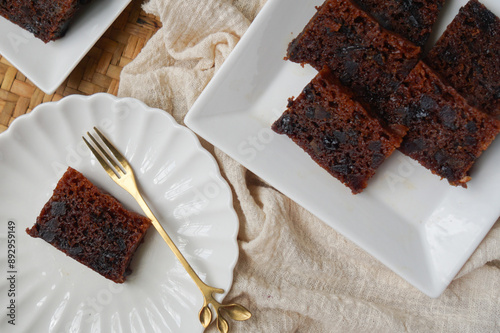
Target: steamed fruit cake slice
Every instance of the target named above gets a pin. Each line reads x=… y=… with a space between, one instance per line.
x=90 y=226
x=412 y=19
x=363 y=55
x=445 y=134
x=336 y=131
x=467 y=55
x=47 y=20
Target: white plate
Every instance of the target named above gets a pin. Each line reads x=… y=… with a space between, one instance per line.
x=180 y=180
x=420 y=227
x=48 y=65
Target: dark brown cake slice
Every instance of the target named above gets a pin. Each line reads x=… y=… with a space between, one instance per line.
x=90 y=226
x=467 y=55
x=336 y=131
x=446 y=134
x=412 y=19
x=363 y=55
x=46 y=19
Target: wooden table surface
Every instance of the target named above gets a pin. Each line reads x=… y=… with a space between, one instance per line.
x=98 y=71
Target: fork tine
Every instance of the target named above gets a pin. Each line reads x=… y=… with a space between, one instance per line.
x=118 y=169
x=123 y=161
x=110 y=171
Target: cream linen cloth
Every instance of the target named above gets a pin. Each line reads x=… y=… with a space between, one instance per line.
x=295 y=273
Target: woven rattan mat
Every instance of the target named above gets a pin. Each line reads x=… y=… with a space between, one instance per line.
x=99 y=70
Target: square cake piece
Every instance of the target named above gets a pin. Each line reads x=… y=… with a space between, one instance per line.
x=337 y=132
x=46 y=19
x=363 y=55
x=445 y=134
x=412 y=19
x=467 y=55
x=90 y=226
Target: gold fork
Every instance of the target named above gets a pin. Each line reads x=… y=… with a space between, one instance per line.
x=123 y=175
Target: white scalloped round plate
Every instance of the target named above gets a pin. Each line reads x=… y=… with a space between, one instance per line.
x=180 y=180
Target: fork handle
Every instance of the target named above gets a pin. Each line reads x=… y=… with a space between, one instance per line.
x=144 y=206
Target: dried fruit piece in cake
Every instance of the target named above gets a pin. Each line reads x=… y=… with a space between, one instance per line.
x=47 y=20
x=336 y=131
x=364 y=56
x=90 y=226
x=467 y=55
x=412 y=19
x=445 y=134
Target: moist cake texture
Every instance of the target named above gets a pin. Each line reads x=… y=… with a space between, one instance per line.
x=90 y=226
x=445 y=134
x=363 y=55
x=412 y=19
x=336 y=131
x=47 y=20
x=467 y=55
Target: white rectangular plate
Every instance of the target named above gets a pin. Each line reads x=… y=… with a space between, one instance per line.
x=48 y=65
x=413 y=222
